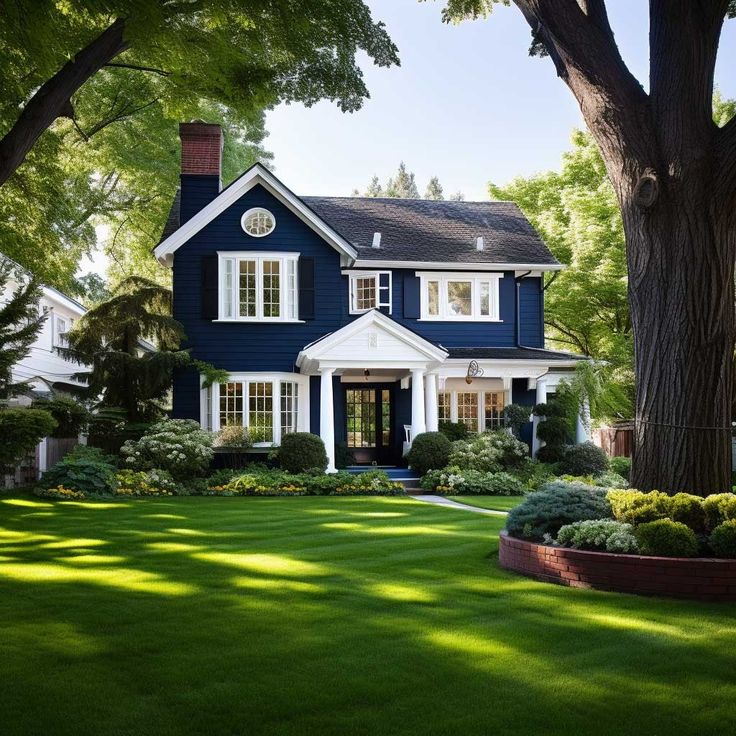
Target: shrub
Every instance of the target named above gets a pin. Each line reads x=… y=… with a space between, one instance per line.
x=688 y=509
x=344 y=456
x=302 y=451
x=489 y=452
x=620 y=465
x=666 y=538
x=84 y=469
x=610 y=480
x=516 y=417
x=550 y=454
x=233 y=436
x=179 y=446
x=142 y=483
x=70 y=416
x=718 y=508
x=472 y=482
x=598 y=534
x=636 y=507
x=429 y=451
x=584 y=459
x=722 y=539
x=454 y=430
x=556 y=504
x=21 y=430
x=60 y=493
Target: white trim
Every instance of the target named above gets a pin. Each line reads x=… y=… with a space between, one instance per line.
x=354 y=275
x=257 y=174
x=458 y=265
x=257 y=211
x=443 y=278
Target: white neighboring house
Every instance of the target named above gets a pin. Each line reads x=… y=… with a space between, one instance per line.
x=43 y=368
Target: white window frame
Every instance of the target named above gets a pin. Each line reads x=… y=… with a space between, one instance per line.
x=257 y=211
x=228 y=295
x=383 y=295
x=210 y=402
x=476 y=281
x=481 y=399
x=60 y=339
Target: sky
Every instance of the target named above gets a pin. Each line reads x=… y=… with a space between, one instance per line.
x=468 y=104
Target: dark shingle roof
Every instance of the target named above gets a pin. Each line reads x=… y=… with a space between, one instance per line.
x=424 y=230
x=516 y=353
x=434 y=231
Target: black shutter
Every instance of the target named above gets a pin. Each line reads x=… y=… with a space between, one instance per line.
x=411 y=297
x=209 y=287
x=306 y=288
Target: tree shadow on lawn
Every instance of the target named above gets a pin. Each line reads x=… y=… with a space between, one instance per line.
x=325 y=615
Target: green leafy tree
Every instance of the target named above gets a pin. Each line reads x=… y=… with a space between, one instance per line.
x=20 y=323
x=457 y=197
x=673 y=171
x=374 y=188
x=94 y=289
x=434 y=189
x=112 y=338
x=403 y=185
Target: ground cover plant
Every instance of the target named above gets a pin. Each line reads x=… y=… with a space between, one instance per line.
x=326 y=616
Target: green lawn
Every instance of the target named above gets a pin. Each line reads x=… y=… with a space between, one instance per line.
x=294 y=617
x=497 y=503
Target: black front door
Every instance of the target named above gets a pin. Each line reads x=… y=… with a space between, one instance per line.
x=368 y=417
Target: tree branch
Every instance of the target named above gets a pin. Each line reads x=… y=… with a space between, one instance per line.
x=53 y=98
x=153 y=70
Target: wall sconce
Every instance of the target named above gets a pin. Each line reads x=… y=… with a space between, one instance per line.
x=474 y=371
x=366 y=374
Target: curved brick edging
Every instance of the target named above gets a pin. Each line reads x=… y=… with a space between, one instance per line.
x=700 y=578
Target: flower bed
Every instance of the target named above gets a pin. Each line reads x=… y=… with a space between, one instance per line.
x=699 y=578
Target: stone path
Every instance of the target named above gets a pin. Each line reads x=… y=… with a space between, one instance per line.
x=449 y=503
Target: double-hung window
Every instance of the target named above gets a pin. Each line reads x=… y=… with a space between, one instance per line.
x=459 y=296
x=61 y=328
x=369 y=290
x=259 y=287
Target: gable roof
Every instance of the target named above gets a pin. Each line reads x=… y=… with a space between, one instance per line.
x=425 y=231
x=256 y=174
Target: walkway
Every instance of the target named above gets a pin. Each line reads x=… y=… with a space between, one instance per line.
x=449 y=503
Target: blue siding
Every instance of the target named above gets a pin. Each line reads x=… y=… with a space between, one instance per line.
x=525 y=397
x=531 y=304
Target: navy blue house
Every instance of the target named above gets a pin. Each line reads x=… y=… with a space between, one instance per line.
x=363 y=320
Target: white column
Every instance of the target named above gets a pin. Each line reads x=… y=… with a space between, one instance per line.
x=418 y=425
x=327 y=416
x=582 y=427
x=541 y=399
x=430 y=405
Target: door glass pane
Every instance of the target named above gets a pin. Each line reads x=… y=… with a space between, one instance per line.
x=385 y=417
x=459 y=298
x=433 y=298
x=271 y=289
x=493 y=409
x=361 y=417
x=467 y=410
x=247 y=289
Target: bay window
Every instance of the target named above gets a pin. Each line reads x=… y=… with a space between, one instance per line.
x=258 y=287
x=458 y=296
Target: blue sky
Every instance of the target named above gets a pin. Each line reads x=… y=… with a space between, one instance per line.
x=467 y=104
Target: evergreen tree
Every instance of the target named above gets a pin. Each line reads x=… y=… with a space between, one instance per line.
x=374 y=188
x=20 y=323
x=434 y=189
x=110 y=337
x=403 y=185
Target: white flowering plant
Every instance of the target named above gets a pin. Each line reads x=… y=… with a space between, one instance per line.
x=179 y=446
x=489 y=452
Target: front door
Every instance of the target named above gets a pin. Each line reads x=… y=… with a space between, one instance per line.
x=368 y=417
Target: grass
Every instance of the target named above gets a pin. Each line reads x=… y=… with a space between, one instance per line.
x=497 y=503
x=328 y=616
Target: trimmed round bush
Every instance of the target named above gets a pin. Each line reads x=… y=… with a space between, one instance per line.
x=718 y=508
x=429 y=451
x=620 y=465
x=584 y=459
x=517 y=417
x=666 y=538
x=556 y=504
x=610 y=480
x=550 y=454
x=722 y=539
x=637 y=507
x=598 y=534
x=688 y=509
x=302 y=451
x=454 y=430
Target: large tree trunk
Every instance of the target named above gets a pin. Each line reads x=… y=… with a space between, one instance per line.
x=681 y=289
x=53 y=99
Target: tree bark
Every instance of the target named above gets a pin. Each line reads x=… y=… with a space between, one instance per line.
x=53 y=99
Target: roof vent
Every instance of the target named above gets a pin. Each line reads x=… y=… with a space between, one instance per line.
x=479 y=243
x=376 y=240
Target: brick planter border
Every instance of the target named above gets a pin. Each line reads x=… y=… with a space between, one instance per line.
x=699 y=578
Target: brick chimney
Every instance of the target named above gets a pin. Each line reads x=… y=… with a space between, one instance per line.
x=201 y=165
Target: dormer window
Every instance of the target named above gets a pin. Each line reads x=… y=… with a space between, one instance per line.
x=369 y=290
x=460 y=296
x=258 y=287
x=258 y=222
